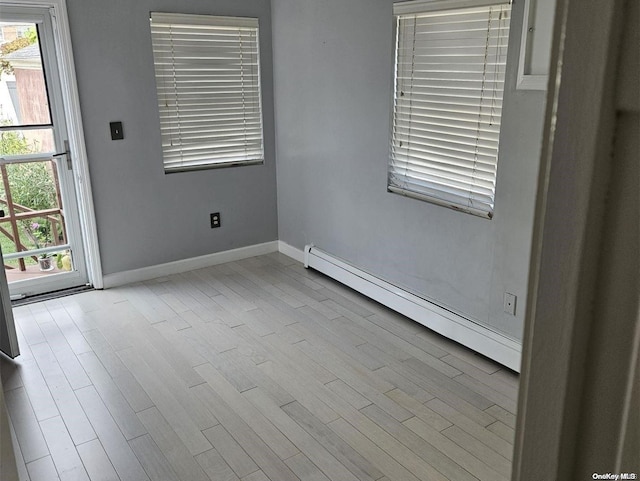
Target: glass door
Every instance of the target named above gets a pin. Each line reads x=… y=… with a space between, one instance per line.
x=39 y=222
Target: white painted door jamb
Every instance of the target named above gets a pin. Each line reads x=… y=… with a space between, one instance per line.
x=569 y=259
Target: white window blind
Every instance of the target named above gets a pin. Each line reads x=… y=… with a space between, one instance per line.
x=450 y=68
x=208 y=82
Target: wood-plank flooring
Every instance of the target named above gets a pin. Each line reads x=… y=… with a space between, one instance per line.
x=254 y=370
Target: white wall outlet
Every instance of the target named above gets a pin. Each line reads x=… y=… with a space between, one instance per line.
x=510 y=303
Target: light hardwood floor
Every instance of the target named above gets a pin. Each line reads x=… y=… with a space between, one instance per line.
x=254 y=370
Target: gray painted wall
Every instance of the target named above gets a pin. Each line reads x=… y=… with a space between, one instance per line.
x=333 y=87
x=145 y=217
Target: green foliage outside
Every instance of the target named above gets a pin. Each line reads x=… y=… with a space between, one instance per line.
x=12 y=143
x=32 y=35
x=32 y=186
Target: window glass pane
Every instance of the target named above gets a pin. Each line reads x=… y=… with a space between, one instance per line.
x=23 y=93
x=32 y=219
x=24 y=142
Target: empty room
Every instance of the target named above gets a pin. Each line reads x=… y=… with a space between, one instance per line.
x=319 y=240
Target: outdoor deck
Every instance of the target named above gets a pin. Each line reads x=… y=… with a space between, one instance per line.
x=30 y=272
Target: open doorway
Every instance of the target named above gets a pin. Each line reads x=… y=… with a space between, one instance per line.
x=42 y=231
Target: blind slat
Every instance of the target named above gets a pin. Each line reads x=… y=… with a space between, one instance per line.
x=450 y=76
x=208 y=85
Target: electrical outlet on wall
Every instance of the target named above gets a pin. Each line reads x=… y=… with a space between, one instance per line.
x=510 y=303
x=215 y=220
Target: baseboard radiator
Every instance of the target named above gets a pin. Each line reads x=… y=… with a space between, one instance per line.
x=483 y=340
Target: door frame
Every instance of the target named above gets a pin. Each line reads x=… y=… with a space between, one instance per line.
x=73 y=117
x=582 y=331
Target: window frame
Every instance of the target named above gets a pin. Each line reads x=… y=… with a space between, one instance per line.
x=258 y=154
x=418 y=7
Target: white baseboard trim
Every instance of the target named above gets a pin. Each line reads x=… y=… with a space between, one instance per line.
x=473 y=335
x=176 y=267
x=290 y=251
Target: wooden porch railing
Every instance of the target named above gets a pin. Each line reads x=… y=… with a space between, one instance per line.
x=16 y=212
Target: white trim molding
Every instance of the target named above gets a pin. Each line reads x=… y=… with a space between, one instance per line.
x=184 y=265
x=471 y=334
x=75 y=129
x=290 y=251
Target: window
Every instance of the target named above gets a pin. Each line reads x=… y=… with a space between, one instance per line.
x=449 y=79
x=208 y=83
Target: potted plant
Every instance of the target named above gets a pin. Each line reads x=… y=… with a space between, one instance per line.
x=45 y=262
x=41 y=239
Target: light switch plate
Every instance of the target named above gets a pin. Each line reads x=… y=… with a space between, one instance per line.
x=116 y=130
x=510 y=303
